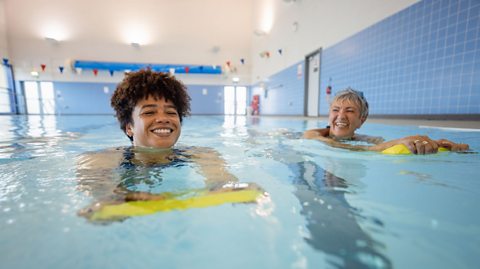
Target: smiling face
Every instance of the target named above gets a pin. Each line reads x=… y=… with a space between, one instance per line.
x=344 y=118
x=155 y=124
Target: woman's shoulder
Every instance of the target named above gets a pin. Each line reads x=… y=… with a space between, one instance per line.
x=369 y=139
x=316 y=133
x=105 y=158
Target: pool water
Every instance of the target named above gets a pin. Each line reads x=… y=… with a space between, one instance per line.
x=327 y=208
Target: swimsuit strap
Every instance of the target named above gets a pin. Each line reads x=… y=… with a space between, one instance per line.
x=178 y=158
x=127 y=158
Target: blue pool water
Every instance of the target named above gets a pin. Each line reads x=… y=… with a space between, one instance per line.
x=328 y=208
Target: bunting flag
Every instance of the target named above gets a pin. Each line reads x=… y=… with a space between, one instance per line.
x=111 y=72
x=242 y=61
x=299 y=71
x=43 y=67
x=226 y=68
x=187 y=69
x=5 y=61
x=171 y=71
x=95 y=72
x=60 y=68
x=265 y=54
x=228 y=63
x=280 y=51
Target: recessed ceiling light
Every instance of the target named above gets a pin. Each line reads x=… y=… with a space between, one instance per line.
x=260 y=32
x=51 y=40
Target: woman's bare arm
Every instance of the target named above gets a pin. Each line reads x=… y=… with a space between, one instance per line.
x=212 y=166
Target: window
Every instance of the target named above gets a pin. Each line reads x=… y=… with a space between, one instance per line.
x=5 y=106
x=235 y=100
x=32 y=97
x=40 y=97
x=48 y=97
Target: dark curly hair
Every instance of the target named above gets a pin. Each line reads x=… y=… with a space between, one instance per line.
x=142 y=84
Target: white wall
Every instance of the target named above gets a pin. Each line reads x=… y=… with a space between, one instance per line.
x=3 y=32
x=176 y=32
x=321 y=23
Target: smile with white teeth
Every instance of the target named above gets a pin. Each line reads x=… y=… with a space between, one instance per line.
x=162 y=131
x=341 y=124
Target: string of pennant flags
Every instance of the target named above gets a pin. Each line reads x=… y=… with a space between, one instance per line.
x=111 y=67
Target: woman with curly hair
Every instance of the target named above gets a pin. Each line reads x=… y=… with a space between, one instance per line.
x=150 y=107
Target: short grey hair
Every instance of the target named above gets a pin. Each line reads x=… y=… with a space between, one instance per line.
x=355 y=96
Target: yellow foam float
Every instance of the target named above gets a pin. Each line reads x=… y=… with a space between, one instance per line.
x=401 y=149
x=140 y=208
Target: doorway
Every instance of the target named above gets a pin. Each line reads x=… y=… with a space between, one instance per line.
x=235 y=100
x=312 y=83
x=39 y=97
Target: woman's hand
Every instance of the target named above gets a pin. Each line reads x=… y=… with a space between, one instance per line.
x=451 y=145
x=419 y=144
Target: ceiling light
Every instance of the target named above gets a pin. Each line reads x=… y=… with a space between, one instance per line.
x=260 y=33
x=51 y=40
x=53 y=31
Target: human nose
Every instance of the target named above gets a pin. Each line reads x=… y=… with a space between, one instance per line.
x=162 y=117
x=341 y=113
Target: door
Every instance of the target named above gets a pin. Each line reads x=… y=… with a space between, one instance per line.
x=235 y=100
x=312 y=83
x=39 y=97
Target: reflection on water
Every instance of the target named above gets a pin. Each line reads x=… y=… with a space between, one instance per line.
x=331 y=221
x=26 y=137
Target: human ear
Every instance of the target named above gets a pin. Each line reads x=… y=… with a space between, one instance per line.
x=362 y=120
x=129 y=129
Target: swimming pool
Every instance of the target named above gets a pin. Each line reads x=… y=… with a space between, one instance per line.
x=328 y=208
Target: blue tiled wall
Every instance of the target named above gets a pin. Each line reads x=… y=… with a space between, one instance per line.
x=423 y=60
x=83 y=98
x=90 y=98
x=283 y=93
x=209 y=103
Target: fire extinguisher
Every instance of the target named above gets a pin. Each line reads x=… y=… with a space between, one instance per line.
x=329 y=90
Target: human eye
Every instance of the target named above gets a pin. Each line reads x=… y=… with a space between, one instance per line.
x=148 y=112
x=172 y=112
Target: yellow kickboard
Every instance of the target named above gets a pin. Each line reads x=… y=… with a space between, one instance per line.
x=140 y=208
x=401 y=149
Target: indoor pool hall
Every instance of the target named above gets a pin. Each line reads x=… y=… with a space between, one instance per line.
x=239 y=134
